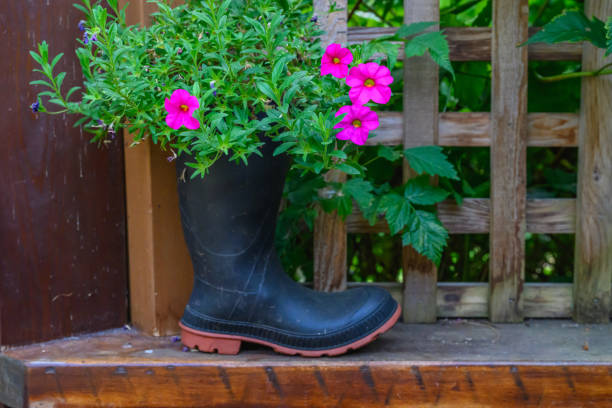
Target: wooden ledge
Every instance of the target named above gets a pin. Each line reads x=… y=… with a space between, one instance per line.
x=451 y=363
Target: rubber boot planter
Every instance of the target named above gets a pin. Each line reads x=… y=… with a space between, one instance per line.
x=241 y=293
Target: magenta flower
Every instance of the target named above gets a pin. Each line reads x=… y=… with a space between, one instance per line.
x=336 y=60
x=369 y=81
x=357 y=123
x=180 y=108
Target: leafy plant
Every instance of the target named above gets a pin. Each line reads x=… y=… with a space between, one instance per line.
x=575 y=26
x=254 y=68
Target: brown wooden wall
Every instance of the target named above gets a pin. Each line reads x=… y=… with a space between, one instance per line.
x=63 y=264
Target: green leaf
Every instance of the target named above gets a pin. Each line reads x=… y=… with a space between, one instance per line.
x=348 y=169
x=572 y=26
x=388 y=153
x=426 y=235
x=283 y=148
x=398 y=211
x=435 y=43
x=609 y=35
x=419 y=191
x=360 y=190
x=430 y=160
x=266 y=89
x=414 y=28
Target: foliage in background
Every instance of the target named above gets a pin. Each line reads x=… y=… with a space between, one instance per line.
x=551 y=171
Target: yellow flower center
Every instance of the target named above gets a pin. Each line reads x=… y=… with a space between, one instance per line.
x=369 y=82
x=336 y=60
x=184 y=108
x=357 y=123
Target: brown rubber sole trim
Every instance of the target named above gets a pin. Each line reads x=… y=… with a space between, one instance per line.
x=229 y=344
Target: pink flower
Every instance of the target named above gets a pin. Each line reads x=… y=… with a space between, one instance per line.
x=180 y=108
x=369 y=81
x=357 y=123
x=336 y=60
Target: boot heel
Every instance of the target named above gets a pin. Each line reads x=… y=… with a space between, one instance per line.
x=210 y=344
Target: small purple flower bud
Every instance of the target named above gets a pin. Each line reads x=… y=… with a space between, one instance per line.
x=82 y=25
x=100 y=122
x=185 y=348
x=35 y=106
x=85 y=38
x=214 y=93
x=170 y=158
x=112 y=134
x=314 y=19
x=94 y=38
x=175 y=339
x=179 y=51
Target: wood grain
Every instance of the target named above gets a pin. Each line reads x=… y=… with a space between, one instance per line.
x=593 y=255
x=508 y=160
x=420 y=120
x=161 y=274
x=452 y=363
x=471 y=299
x=473 y=129
x=544 y=216
x=474 y=44
x=63 y=260
x=329 y=238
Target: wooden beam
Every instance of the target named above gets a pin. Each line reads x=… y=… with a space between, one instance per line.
x=544 y=216
x=161 y=274
x=593 y=260
x=473 y=129
x=452 y=363
x=420 y=117
x=471 y=299
x=329 y=229
x=508 y=160
x=474 y=44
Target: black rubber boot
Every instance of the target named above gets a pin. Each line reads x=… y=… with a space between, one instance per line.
x=241 y=292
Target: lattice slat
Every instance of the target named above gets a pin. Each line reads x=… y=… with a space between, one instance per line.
x=544 y=216
x=474 y=129
x=474 y=44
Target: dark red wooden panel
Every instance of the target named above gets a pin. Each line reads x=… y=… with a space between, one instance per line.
x=62 y=202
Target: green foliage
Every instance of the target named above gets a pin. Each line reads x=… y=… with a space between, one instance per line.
x=255 y=68
x=426 y=235
x=609 y=35
x=572 y=26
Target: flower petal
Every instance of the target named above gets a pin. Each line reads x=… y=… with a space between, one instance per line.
x=191 y=123
x=170 y=107
x=381 y=94
x=346 y=134
x=174 y=120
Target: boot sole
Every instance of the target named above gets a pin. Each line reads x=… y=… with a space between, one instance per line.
x=229 y=344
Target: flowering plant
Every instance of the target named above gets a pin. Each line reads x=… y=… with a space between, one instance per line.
x=214 y=78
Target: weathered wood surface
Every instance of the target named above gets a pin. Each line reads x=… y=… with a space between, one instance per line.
x=329 y=235
x=508 y=160
x=161 y=274
x=471 y=129
x=593 y=259
x=474 y=44
x=63 y=263
x=420 y=120
x=471 y=299
x=449 y=364
x=544 y=216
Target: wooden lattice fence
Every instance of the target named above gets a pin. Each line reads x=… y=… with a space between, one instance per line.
x=508 y=130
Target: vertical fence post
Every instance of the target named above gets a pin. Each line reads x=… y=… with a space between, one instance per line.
x=420 y=121
x=508 y=160
x=330 y=229
x=593 y=255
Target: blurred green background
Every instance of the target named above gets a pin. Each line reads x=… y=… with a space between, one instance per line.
x=551 y=172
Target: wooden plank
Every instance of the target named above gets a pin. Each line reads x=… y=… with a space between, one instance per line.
x=544 y=216
x=451 y=363
x=473 y=129
x=593 y=260
x=63 y=263
x=508 y=160
x=329 y=229
x=420 y=117
x=471 y=299
x=474 y=44
x=161 y=274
